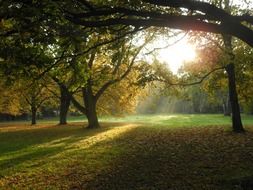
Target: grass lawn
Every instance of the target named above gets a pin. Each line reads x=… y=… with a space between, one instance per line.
x=155 y=152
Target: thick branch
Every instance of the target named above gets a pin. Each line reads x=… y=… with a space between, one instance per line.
x=212 y=19
x=204 y=7
x=86 y=4
x=78 y=105
x=208 y=9
x=177 y=22
x=70 y=94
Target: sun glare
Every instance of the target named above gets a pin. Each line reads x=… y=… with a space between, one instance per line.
x=177 y=54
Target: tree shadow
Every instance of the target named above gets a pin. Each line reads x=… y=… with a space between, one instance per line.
x=183 y=160
x=38 y=144
x=21 y=139
x=31 y=156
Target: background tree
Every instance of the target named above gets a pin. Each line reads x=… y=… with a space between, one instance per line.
x=105 y=68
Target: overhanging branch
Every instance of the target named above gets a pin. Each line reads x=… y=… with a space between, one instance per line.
x=208 y=19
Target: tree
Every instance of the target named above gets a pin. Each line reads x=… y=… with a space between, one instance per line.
x=35 y=93
x=202 y=16
x=230 y=69
x=64 y=98
x=106 y=69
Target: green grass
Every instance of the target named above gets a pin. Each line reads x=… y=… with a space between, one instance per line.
x=172 y=120
x=180 y=120
x=135 y=152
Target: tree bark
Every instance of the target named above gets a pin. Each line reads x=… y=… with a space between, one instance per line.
x=230 y=69
x=92 y=116
x=34 y=110
x=90 y=105
x=64 y=104
x=89 y=109
x=236 y=116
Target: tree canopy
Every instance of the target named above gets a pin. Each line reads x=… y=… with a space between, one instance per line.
x=176 y=14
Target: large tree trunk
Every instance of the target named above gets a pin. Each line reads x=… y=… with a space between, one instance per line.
x=236 y=116
x=64 y=104
x=92 y=116
x=90 y=105
x=230 y=69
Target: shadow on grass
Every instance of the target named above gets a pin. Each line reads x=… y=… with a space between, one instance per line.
x=183 y=160
x=17 y=140
x=38 y=144
x=30 y=156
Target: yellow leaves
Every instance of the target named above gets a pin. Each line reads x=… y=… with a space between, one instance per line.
x=9 y=101
x=121 y=98
x=6 y=24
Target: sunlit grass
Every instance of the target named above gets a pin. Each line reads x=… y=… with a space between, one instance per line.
x=180 y=120
x=166 y=120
